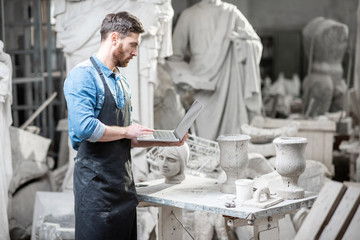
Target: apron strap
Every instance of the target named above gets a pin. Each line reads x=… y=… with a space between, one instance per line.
x=98 y=69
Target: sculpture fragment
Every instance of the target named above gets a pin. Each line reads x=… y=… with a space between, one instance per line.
x=325 y=43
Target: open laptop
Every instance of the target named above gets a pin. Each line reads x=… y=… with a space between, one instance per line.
x=180 y=131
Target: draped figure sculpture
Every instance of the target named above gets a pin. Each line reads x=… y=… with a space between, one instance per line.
x=6 y=170
x=155 y=45
x=223 y=69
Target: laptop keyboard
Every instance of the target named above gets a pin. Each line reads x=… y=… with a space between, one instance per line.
x=163 y=135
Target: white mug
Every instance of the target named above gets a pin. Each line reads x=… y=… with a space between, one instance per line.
x=244 y=189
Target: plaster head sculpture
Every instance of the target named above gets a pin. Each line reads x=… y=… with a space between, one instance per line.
x=171 y=162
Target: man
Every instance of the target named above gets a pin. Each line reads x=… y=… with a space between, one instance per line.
x=100 y=128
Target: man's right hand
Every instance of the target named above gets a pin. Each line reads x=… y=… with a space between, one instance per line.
x=135 y=130
x=113 y=133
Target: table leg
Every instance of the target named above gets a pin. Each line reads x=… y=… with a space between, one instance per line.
x=263 y=229
x=358 y=168
x=267 y=231
x=169 y=226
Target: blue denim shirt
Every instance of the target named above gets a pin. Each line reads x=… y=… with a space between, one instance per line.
x=84 y=94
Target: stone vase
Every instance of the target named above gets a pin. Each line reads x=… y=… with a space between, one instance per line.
x=290 y=164
x=233 y=158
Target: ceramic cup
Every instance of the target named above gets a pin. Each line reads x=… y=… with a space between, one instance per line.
x=244 y=189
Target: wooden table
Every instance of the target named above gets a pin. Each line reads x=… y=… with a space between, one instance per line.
x=203 y=194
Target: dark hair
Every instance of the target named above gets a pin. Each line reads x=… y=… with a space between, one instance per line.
x=122 y=22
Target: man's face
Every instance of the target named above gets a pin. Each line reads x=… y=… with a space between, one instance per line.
x=125 y=49
x=169 y=165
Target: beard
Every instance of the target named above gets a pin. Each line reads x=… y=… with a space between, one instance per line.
x=119 y=57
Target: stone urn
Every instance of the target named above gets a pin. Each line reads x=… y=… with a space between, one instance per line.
x=290 y=164
x=233 y=159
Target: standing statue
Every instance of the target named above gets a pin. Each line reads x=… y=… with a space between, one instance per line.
x=223 y=67
x=155 y=45
x=324 y=89
x=168 y=110
x=5 y=146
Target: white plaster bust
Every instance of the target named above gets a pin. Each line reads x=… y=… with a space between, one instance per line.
x=171 y=162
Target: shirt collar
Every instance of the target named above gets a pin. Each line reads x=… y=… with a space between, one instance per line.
x=106 y=71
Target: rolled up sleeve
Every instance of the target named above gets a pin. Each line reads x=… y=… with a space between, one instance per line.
x=80 y=94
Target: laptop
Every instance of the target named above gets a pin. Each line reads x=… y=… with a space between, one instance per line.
x=181 y=129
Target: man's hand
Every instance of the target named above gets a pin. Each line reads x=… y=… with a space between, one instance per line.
x=135 y=130
x=131 y=132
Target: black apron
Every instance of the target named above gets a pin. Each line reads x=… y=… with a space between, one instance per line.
x=104 y=189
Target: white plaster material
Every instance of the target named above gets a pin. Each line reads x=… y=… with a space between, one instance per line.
x=6 y=170
x=29 y=153
x=155 y=45
x=206 y=225
x=262 y=199
x=172 y=161
x=290 y=164
x=324 y=88
x=21 y=208
x=67 y=184
x=146 y=221
x=204 y=194
x=280 y=95
x=286 y=228
x=299 y=217
x=204 y=157
x=222 y=67
x=261 y=193
x=46 y=215
x=267 y=135
x=265 y=149
x=258 y=166
x=313 y=130
x=312 y=179
x=314 y=176
x=262 y=137
x=272 y=180
x=233 y=158
x=29 y=160
x=168 y=110
x=244 y=190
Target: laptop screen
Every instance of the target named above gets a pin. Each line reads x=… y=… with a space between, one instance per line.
x=188 y=119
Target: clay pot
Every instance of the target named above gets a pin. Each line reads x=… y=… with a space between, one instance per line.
x=290 y=164
x=233 y=158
